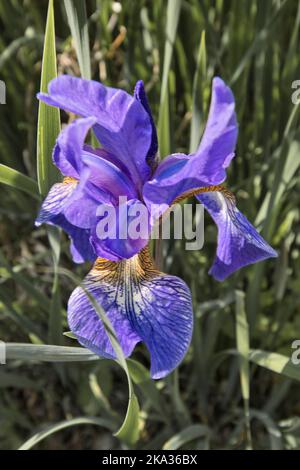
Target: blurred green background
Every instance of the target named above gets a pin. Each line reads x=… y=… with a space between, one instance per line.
x=254 y=46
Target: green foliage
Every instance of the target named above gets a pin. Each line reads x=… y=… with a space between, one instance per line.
x=244 y=327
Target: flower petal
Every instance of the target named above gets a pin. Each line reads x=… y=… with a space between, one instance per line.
x=81 y=248
x=142 y=305
x=239 y=244
x=52 y=212
x=178 y=174
x=128 y=230
x=55 y=201
x=123 y=126
x=104 y=174
x=101 y=181
x=69 y=145
x=141 y=96
x=218 y=142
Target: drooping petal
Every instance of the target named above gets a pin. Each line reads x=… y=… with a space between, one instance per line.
x=55 y=201
x=239 y=244
x=123 y=126
x=81 y=248
x=179 y=174
x=142 y=305
x=122 y=231
x=52 y=212
x=69 y=146
x=141 y=96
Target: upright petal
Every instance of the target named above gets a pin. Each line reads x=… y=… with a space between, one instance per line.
x=142 y=305
x=69 y=146
x=140 y=95
x=218 y=142
x=239 y=244
x=179 y=174
x=121 y=231
x=123 y=126
x=101 y=182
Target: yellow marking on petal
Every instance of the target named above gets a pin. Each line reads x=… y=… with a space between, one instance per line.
x=129 y=279
x=69 y=180
x=140 y=266
x=205 y=189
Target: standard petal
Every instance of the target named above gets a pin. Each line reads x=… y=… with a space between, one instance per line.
x=180 y=174
x=141 y=96
x=69 y=145
x=123 y=126
x=142 y=304
x=239 y=244
x=105 y=175
x=218 y=142
x=121 y=232
x=101 y=182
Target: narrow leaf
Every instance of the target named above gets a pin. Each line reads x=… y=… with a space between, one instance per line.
x=197 y=103
x=48 y=117
x=77 y=19
x=242 y=344
x=186 y=435
x=17 y=180
x=39 y=436
x=173 y=11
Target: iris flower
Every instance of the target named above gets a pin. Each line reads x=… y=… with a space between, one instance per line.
x=142 y=303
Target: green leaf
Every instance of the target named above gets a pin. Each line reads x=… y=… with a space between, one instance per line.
x=39 y=436
x=129 y=431
x=197 y=103
x=272 y=428
x=48 y=353
x=55 y=326
x=69 y=334
x=187 y=435
x=77 y=19
x=173 y=11
x=141 y=377
x=242 y=344
x=17 y=180
x=48 y=117
x=276 y=363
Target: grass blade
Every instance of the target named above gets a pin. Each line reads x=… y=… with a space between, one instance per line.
x=173 y=11
x=48 y=353
x=186 y=435
x=276 y=363
x=17 y=180
x=63 y=425
x=48 y=118
x=197 y=103
x=77 y=19
x=242 y=344
x=129 y=431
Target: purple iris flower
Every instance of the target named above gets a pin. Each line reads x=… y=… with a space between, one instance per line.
x=142 y=303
